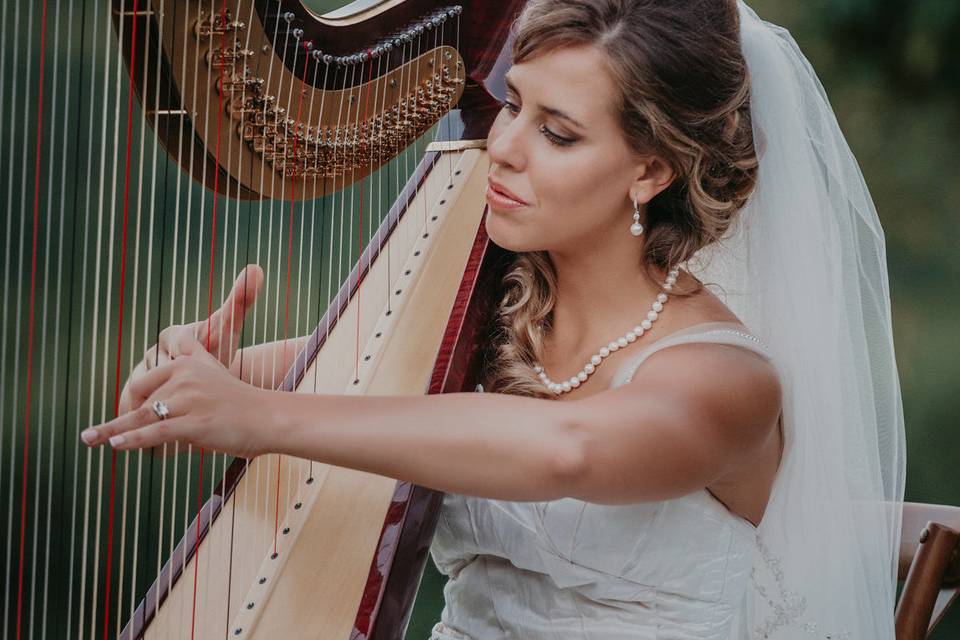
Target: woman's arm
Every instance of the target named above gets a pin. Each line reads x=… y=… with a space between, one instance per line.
x=485 y=444
x=692 y=414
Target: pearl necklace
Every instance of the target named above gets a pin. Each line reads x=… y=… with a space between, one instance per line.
x=630 y=337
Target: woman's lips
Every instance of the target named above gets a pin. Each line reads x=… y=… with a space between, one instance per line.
x=500 y=198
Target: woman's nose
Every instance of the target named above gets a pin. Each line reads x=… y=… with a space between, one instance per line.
x=505 y=143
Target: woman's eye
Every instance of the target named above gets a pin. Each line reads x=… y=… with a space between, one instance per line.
x=560 y=141
x=551 y=137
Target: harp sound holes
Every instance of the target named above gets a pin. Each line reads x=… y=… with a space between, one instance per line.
x=397 y=292
x=249 y=605
x=407 y=272
x=457 y=172
x=378 y=334
x=434 y=218
x=366 y=358
x=262 y=580
x=427 y=235
x=443 y=202
x=416 y=253
x=237 y=631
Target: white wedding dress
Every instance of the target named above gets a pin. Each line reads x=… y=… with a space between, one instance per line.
x=567 y=569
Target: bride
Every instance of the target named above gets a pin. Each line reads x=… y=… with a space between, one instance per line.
x=695 y=427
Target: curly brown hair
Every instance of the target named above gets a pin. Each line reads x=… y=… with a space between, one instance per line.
x=685 y=97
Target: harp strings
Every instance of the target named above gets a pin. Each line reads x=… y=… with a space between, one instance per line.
x=59 y=64
x=13 y=565
x=122 y=514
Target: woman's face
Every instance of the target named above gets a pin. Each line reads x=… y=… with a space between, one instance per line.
x=561 y=172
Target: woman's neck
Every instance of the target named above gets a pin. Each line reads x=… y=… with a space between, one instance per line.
x=600 y=296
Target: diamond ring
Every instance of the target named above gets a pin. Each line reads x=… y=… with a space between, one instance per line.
x=161 y=409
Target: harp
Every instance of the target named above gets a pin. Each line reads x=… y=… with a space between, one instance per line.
x=152 y=148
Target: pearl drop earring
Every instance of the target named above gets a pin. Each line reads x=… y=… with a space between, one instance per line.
x=636 y=228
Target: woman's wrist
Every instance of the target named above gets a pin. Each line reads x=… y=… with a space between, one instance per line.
x=277 y=426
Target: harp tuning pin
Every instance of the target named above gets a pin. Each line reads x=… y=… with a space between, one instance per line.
x=436 y=21
x=289 y=16
x=327 y=58
x=388 y=47
x=365 y=56
x=308 y=45
x=317 y=55
x=297 y=33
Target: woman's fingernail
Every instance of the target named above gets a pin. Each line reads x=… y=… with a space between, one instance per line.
x=89 y=436
x=117 y=440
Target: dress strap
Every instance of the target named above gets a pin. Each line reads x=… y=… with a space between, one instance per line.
x=715 y=332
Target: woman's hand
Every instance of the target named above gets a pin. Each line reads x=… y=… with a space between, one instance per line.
x=219 y=334
x=208 y=407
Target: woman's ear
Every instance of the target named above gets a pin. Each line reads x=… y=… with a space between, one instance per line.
x=653 y=176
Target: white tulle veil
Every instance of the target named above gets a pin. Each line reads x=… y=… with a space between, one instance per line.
x=805 y=269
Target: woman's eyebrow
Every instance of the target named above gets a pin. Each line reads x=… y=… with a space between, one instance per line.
x=551 y=110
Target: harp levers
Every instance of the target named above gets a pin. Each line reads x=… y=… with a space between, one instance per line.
x=153 y=148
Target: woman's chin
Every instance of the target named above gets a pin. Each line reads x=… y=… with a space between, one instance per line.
x=510 y=235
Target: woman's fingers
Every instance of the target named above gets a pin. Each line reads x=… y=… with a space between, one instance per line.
x=150 y=435
x=156 y=357
x=115 y=431
x=143 y=386
x=227 y=321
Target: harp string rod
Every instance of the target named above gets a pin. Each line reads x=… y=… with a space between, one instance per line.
x=242 y=557
x=54 y=391
x=84 y=289
x=30 y=339
x=229 y=553
x=6 y=290
x=297 y=331
x=15 y=93
x=101 y=414
x=268 y=498
x=264 y=297
x=134 y=353
x=134 y=350
x=274 y=502
x=313 y=209
x=121 y=309
x=213 y=235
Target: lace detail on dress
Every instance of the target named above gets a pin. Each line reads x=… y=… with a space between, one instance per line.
x=785 y=605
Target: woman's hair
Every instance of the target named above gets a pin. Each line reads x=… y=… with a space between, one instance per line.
x=684 y=97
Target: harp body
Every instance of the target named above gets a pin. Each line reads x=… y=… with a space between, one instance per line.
x=154 y=118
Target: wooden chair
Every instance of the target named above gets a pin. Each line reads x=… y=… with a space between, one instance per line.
x=929 y=565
